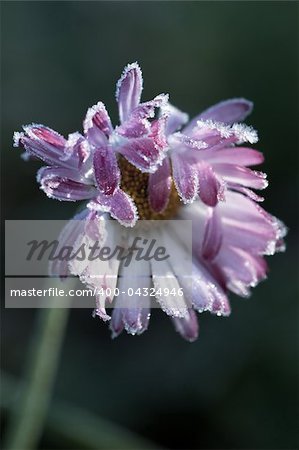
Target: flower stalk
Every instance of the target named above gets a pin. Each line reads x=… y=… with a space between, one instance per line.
x=78 y=427
x=27 y=423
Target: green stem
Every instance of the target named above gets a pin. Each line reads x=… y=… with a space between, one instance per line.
x=26 y=425
x=77 y=427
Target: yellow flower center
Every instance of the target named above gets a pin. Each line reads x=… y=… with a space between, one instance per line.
x=135 y=183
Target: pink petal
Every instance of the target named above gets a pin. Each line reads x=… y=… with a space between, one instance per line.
x=106 y=170
x=242 y=176
x=243 y=190
x=146 y=110
x=164 y=281
x=100 y=309
x=187 y=327
x=64 y=184
x=135 y=308
x=135 y=320
x=212 y=236
x=185 y=142
x=43 y=143
x=77 y=152
x=240 y=156
x=97 y=125
x=175 y=119
x=138 y=125
x=253 y=237
x=221 y=305
x=241 y=269
x=146 y=152
x=247 y=226
x=220 y=134
x=134 y=128
x=239 y=207
x=94 y=227
x=228 y=111
x=159 y=187
x=116 y=323
x=207 y=293
x=185 y=177
x=157 y=132
x=198 y=213
x=211 y=188
x=119 y=205
x=209 y=132
x=143 y=153
x=128 y=90
x=45 y=134
x=68 y=237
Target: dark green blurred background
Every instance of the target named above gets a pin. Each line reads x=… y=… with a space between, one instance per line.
x=237 y=386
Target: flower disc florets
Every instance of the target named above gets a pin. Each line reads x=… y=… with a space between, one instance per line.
x=135 y=184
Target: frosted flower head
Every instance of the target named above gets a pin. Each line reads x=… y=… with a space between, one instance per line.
x=157 y=165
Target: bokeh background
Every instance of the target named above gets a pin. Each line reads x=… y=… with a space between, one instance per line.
x=237 y=386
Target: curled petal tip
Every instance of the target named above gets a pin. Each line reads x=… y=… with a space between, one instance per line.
x=227 y=112
x=120 y=206
x=128 y=90
x=17 y=136
x=45 y=134
x=187 y=326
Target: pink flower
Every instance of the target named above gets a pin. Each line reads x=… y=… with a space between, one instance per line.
x=86 y=167
x=156 y=167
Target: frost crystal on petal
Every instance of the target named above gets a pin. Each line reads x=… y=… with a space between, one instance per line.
x=245 y=133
